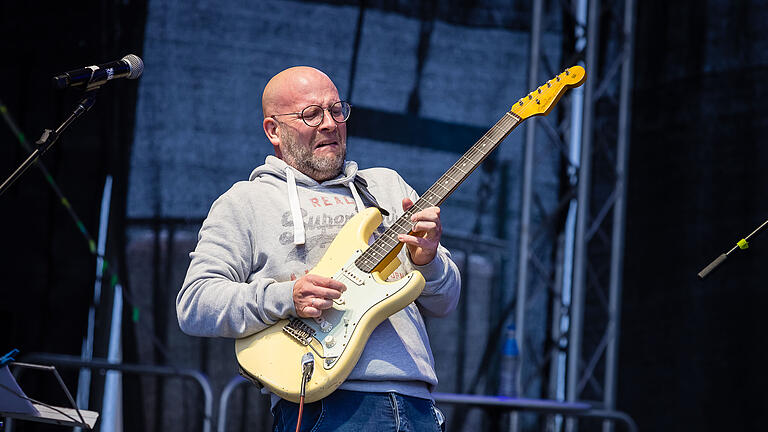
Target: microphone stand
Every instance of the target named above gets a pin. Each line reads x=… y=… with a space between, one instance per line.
x=49 y=137
x=742 y=244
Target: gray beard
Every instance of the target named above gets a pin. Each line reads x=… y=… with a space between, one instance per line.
x=320 y=168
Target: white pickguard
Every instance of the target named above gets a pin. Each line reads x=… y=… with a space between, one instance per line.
x=335 y=327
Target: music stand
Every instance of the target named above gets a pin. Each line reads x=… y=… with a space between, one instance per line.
x=15 y=404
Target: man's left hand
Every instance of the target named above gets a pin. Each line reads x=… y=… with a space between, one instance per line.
x=422 y=244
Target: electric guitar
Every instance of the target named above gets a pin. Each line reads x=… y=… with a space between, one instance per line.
x=273 y=356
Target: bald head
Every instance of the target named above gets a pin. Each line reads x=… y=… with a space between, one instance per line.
x=289 y=86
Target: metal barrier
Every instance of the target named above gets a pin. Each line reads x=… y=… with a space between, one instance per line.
x=100 y=364
x=224 y=400
x=568 y=409
x=574 y=409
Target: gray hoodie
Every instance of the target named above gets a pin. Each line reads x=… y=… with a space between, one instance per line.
x=263 y=234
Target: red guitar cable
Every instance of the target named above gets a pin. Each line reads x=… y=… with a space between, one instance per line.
x=307 y=365
x=301 y=409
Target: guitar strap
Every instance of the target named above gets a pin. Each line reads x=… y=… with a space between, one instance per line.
x=362 y=187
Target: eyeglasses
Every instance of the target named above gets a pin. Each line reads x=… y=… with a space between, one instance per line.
x=313 y=114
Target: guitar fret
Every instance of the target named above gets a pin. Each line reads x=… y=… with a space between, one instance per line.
x=446 y=175
x=388 y=241
x=402 y=227
x=390 y=237
x=421 y=205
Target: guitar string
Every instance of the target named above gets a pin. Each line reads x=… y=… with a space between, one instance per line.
x=474 y=155
x=504 y=125
x=388 y=241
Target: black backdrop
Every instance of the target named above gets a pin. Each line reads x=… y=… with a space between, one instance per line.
x=691 y=351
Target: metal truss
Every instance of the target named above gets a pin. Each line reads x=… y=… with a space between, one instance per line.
x=595 y=310
x=540 y=258
x=583 y=276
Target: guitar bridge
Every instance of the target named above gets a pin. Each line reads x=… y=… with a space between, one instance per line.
x=298 y=330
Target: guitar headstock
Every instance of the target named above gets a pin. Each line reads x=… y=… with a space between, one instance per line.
x=543 y=99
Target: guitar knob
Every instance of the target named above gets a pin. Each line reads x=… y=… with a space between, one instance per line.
x=330 y=341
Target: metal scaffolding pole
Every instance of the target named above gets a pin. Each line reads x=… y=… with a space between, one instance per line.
x=525 y=217
x=603 y=162
x=619 y=211
x=562 y=303
x=582 y=215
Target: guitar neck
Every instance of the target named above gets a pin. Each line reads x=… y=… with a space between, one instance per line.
x=439 y=191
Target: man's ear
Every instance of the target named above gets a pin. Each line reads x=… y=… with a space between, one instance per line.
x=272 y=131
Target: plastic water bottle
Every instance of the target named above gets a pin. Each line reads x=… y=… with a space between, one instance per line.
x=510 y=362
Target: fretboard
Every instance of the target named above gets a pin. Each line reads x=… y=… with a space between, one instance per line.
x=438 y=192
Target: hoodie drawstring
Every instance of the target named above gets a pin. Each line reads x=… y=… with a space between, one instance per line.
x=299 y=235
x=356 y=196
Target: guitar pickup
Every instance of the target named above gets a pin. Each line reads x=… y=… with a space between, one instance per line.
x=352 y=276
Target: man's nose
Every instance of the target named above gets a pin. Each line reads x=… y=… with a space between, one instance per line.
x=328 y=123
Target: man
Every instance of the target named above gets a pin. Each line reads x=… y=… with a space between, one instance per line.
x=249 y=269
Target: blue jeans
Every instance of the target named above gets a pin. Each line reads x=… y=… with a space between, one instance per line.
x=351 y=411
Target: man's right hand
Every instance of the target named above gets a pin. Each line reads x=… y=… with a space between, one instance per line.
x=313 y=293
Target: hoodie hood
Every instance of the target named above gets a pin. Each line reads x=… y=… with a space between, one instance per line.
x=274 y=166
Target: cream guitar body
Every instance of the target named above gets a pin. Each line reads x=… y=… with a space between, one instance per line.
x=273 y=356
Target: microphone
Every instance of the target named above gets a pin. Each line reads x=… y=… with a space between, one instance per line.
x=90 y=77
